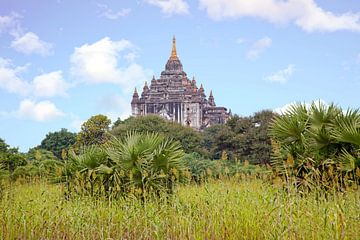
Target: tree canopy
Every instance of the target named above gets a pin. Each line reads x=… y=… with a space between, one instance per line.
x=94 y=131
x=55 y=142
x=242 y=138
x=188 y=137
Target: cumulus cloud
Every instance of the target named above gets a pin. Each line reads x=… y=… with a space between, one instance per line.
x=30 y=43
x=10 y=80
x=39 y=111
x=50 y=84
x=23 y=42
x=304 y=13
x=108 y=13
x=281 y=76
x=99 y=63
x=170 y=7
x=258 y=47
x=44 y=85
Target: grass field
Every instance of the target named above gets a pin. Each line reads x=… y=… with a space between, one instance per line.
x=227 y=209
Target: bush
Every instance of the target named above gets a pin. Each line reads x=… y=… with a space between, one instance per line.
x=140 y=164
x=317 y=146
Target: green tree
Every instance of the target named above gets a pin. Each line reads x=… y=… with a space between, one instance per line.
x=117 y=123
x=10 y=158
x=244 y=138
x=57 y=141
x=188 y=137
x=94 y=131
x=3 y=146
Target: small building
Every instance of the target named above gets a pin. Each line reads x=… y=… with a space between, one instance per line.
x=175 y=97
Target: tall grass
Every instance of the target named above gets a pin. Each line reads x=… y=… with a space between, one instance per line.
x=226 y=209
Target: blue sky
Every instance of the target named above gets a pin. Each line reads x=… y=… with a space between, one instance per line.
x=63 y=61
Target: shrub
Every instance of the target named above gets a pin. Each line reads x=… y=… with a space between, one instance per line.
x=317 y=146
x=141 y=164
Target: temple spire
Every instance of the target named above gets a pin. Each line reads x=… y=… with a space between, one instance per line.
x=173 y=51
x=135 y=93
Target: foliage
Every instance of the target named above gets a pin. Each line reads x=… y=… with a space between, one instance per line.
x=36 y=154
x=188 y=137
x=56 y=142
x=203 y=169
x=242 y=138
x=94 y=131
x=234 y=208
x=139 y=164
x=10 y=158
x=117 y=123
x=317 y=145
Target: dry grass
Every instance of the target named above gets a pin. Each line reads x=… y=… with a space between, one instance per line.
x=228 y=209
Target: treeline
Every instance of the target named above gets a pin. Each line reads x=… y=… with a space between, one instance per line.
x=309 y=146
x=241 y=139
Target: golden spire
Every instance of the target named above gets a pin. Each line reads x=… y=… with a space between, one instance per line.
x=173 y=51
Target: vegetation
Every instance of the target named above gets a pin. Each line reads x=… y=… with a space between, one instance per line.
x=188 y=137
x=95 y=131
x=57 y=142
x=10 y=158
x=148 y=178
x=318 y=145
x=228 y=209
x=242 y=138
x=140 y=164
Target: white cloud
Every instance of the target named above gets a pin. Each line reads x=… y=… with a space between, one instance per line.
x=10 y=80
x=281 y=76
x=171 y=7
x=50 y=84
x=99 y=63
x=39 y=111
x=108 y=13
x=304 y=13
x=45 y=85
x=30 y=43
x=10 y=24
x=115 y=106
x=258 y=47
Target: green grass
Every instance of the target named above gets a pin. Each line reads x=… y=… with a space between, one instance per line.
x=227 y=209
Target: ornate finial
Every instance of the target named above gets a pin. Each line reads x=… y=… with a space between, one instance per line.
x=145 y=84
x=211 y=95
x=173 y=51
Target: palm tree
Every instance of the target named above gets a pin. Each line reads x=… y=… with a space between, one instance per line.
x=140 y=164
x=315 y=141
x=82 y=168
x=149 y=162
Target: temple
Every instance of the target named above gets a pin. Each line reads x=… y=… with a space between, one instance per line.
x=175 y=97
